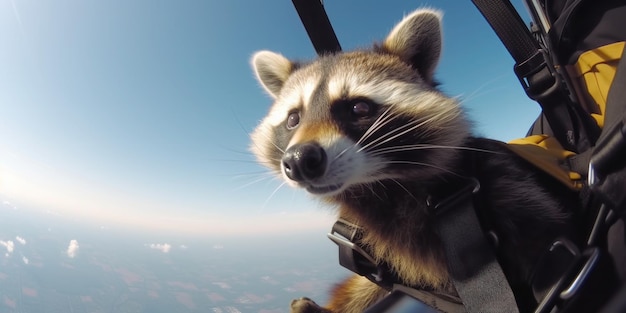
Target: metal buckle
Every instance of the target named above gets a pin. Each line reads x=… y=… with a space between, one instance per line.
x=570 y=284
x=537 y=76
x=555 y=264
x=591 y=257
x=354 y=258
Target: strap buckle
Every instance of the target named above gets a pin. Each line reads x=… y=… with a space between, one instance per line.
x=355 y=258
x=570 y=284
x=537 y=76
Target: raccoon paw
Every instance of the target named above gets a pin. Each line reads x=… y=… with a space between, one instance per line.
x=306 y=305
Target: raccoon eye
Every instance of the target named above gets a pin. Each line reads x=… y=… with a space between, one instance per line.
x=361 y=109
x=293 y=120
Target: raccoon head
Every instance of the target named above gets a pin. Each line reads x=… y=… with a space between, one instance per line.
x=357 y=118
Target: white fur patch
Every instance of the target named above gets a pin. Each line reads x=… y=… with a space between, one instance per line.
x=262 y=144
x=290 y=99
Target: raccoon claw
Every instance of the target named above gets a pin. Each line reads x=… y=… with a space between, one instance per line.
x=306 y=305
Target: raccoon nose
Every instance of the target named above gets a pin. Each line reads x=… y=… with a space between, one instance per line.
x=303 y=162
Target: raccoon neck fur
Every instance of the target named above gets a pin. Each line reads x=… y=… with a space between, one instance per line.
x=398 y=228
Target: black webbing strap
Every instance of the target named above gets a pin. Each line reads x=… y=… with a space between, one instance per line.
x=607 y=177
x=472 y=263
x=510 y=28
x=427 y=302
x=317 y=25
x=353 y=256
x=537 y=76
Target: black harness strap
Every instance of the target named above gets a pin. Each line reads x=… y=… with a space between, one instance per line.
x=354 y=256
x=607 y=176
x=425 y=302
x=573 y=128
x=317 y=25
x=472 y=263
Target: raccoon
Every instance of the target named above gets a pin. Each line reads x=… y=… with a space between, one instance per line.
x=369 y=133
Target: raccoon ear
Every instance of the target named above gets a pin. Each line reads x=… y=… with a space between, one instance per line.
x=272 y=70
x=417 y=41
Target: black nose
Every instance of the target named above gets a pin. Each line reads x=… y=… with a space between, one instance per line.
x=303 y=162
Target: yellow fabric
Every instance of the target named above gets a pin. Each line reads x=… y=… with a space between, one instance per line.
x=596 y=69
x=547 y=154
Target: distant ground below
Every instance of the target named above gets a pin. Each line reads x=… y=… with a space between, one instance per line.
x=50 y=264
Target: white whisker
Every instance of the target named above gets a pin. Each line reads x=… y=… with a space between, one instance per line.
x=422 y=164
x=385 y=135
x=273 y=193
x=407 y=191
x=400 y=131
x=478 y=92
x=269 y=139
x=374 y=192
x=382 y=120
x=341 y=153
x=402 y=148
x=252 y=174
x=258 y=180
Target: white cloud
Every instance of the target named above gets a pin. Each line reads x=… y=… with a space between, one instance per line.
x=25 y=260
x=165 y=247
x=72 y=249
x=9 y=245
x=9 y=204
x=20 y=240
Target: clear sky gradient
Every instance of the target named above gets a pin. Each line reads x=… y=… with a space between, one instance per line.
x=138 y=112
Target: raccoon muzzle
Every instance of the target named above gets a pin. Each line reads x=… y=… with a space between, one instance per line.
x=304 y=162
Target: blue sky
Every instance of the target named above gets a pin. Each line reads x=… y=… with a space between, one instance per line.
x=137 y=113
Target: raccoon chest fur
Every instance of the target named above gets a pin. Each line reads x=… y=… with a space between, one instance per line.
x=398 y=231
